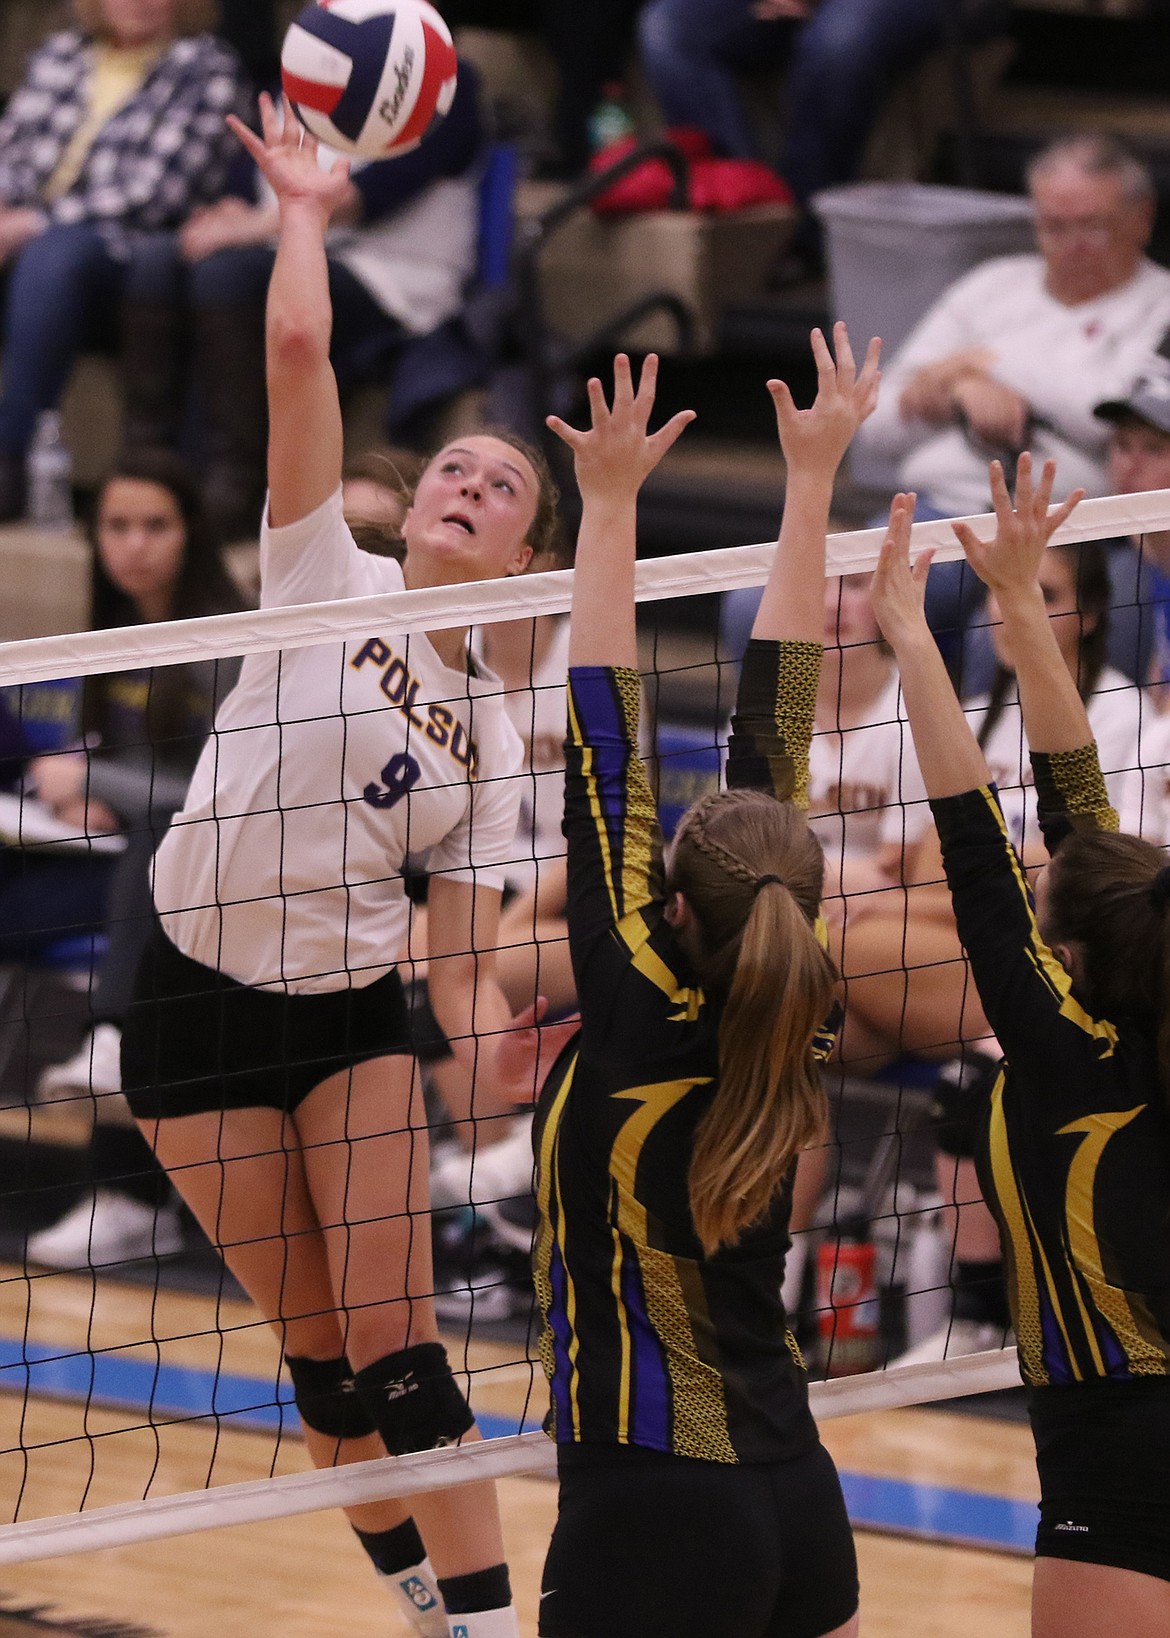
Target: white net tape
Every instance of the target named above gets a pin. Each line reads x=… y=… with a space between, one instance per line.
x=40 y=659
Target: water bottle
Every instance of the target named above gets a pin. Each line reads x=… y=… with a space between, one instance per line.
x=50 y=476
x=611 y=120
x=847 y=1301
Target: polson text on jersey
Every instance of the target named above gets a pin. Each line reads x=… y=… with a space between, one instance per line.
x=402 y=690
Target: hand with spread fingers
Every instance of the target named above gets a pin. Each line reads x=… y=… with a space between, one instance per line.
x=899 y=585
x=617 y=453
x=1010 y=561
x=287 y=157
x=814 y=440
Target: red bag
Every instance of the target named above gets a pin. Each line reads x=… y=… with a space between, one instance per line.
x=712 y=184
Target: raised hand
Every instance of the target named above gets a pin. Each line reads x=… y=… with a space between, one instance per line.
x=814 y=440
x=287 y=156
x=899 y=586
x=616 y=455
x=527 y=1050
x=1010 y=562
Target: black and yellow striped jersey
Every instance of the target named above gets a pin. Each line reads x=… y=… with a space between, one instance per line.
x=646 y=1340
x=1074 y=1155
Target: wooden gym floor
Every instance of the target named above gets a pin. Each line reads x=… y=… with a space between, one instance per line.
x=305 y=1577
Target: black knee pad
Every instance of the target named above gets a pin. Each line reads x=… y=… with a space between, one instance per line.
x=414 y=1400
x=327 y=1397
x=961 y=1095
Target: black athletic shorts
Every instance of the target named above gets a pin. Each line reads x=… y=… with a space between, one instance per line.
x=1103 y=1452
x=647 y=1544
x=195 y=1041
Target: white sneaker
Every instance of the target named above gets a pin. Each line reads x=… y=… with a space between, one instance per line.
x=491 y=1171
x=958 y=1336
x=107 y=1227
x=94 y=1070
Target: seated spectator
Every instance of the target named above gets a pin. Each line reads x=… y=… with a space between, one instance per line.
x=115 y=134
x=154 y=559
x=1019 y=351
x=841 y=56
x=1137 y=459
x=401 y=251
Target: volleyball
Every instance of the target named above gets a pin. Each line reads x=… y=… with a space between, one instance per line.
x=369 y=77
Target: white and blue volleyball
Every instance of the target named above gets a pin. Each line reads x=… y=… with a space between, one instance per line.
x=369 y=77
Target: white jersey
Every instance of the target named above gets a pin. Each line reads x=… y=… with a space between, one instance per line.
x=328 y=767
x=1116 y=710
x=539 y=714
x=1145 y=809
x=859 y=778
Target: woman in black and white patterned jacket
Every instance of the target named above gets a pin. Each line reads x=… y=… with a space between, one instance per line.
x=116 y=133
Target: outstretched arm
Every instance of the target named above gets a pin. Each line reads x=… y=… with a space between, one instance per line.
x=814 y=442
x=612 y=460
x=1054 y=713
x=304 y=413
x=948 y=752
x=772 y=726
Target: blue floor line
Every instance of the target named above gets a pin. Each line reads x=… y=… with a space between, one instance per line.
x=129 y=1382
x=126 y=1381
x=941 y=1514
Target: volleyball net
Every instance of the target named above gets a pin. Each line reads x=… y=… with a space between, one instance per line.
x=129 y=1379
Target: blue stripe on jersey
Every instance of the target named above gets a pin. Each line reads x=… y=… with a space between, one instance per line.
x=599 y=714
x=562 y=1335
x=650 y=1391
x=1060 y=1368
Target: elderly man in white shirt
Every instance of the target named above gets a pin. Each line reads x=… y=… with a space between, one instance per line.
x=1018 y=352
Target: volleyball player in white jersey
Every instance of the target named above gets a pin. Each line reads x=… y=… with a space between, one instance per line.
x=861 y=751
x=267 y=1056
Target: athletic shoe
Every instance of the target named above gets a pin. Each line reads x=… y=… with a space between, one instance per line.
x=490 y=1171
x=105 y=1228
x=483 y=1265
x=94 y=1070
x=957 y=1337
x=490 y=1292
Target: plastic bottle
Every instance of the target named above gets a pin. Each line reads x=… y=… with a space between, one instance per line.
x=50 y=476
x=611 y=120
x=849 y=1312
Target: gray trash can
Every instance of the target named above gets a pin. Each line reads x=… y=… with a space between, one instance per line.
x=894 y=247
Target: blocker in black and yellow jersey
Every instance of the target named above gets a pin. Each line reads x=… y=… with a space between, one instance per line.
x=1074 y=1157
x=695 y=1496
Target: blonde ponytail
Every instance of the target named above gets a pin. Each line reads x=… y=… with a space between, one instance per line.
x=751 y=871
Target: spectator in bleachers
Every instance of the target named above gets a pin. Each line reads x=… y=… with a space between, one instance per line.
x=154 y=558
x=115 y=134
x=401 y=251
x=840 y=57
x=1024 y=347
x=1019 y=351
x=1137 y=459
